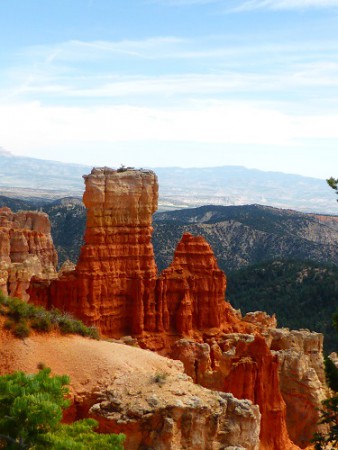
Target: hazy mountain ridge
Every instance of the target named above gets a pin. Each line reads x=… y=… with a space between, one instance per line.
x=244 y=235
x=31 y=178
x=20 y=174
x=235 y=185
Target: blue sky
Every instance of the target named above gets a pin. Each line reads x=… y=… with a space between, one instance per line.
x=172 y=82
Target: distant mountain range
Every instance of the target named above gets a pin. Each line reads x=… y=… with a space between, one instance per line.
x=276 y=260
x=239 y=235
x=244 y=235
x=29 y=178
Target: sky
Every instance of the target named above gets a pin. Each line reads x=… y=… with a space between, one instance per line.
x=189 y=83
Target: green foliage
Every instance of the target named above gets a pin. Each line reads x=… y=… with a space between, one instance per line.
x=21 y=329
x=81 y=436
x=329 y=412
x=333 y=183
x=329 y=416
x=31 y=409
x=22 y=317
x=331 y=372
x=301 y=294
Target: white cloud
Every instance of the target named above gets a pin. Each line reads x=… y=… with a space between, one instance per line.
x=285 y=4
x=294 y=78
x=31 y=125
x=240 y=5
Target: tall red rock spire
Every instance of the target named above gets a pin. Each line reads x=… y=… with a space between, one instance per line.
x=191 y=291
x=113 y=285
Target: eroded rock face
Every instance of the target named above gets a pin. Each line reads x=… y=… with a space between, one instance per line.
x=171 y=414
x=191 y=291
x=243 y=365
x=300 y=356
x=181 y=314
x=137 y=392
x=26 y=250
x=113 y=284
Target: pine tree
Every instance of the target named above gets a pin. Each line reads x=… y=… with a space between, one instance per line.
x=31 y=408
x=329 y=412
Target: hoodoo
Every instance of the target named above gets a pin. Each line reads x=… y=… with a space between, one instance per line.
x=182 y=313
x=113 y=284
x=26 y=250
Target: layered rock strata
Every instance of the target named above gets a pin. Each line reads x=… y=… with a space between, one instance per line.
x=113 y=284
x=26 y=250
x=140 y=393
x=302 y=380
x=190 y=293
x=181 y=314
x=243 y=365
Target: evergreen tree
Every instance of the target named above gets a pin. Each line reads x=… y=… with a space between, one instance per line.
x=333 y=182
x=31 y=409
x=329 y=413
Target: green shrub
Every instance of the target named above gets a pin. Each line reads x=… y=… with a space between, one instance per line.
x=21 y=329
x=42 y=323
x=23 y=316
x=9 y=324
x=18 y=309
x=160 y=378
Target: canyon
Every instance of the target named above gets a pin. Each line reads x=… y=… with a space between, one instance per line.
x=267 y=382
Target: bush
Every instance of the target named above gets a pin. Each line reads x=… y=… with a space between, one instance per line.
x=18 y=309
x=9 y=324
x=329 y=412
x=21 y=329
x=23 y=316
x=42 y=322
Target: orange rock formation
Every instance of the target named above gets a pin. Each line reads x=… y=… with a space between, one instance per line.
x=113 y=284
x=182 y=313
x=142 y=394
x=191 y=291
x=26 y=250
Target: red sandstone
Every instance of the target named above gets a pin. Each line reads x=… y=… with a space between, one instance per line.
x=115 y=287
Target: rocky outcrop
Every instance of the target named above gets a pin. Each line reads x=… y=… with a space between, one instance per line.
x=113 y=284
x=302 y=380
x=181 y=314
x=243 y=365
x=137 y=392
x=26 y=250
x=191 y=291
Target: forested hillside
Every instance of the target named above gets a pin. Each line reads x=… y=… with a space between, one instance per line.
x=301 y=294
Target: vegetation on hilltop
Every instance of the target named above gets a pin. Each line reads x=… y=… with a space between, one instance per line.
x=333 y=183
x=22 y=317
x=301 y=294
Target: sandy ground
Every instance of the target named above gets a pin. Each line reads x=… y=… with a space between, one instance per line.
x=88 y=362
